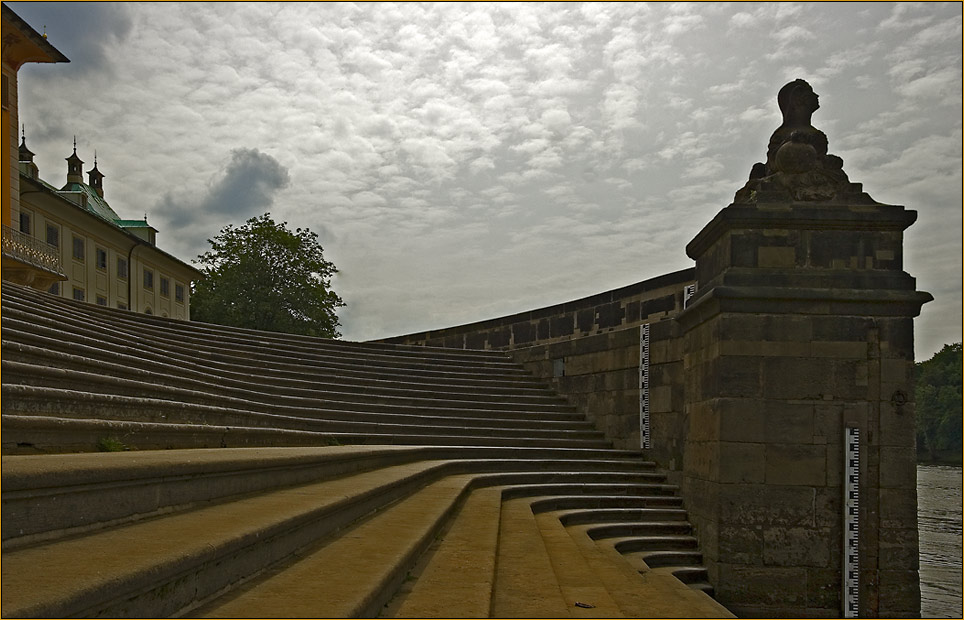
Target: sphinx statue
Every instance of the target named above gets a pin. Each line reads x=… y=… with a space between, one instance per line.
x=797 y=160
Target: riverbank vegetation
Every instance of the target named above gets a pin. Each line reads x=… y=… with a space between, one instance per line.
x=939 y=406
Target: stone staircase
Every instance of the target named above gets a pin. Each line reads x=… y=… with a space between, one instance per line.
x=253 y=474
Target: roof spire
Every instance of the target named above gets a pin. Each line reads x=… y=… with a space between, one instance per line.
x=25 y=155
x=74 y=167
x=96 y=178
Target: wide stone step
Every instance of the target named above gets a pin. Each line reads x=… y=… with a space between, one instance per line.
x=525 y=583
x=458 y=578
x=294 y=379
x=129 y=367
x=612 y=515
x=48 y=497
x=639 y=528
x=178 y=337
x=292 y=382
x=594 y=489
x=31 y=400
x=584 y=590
x=45 y=497
x=152 y=385
x=569 y=502
x=353 y=575
x=38 y=433
x=663 y=542
x=160 y=566
x=22 y=300
x=213 y=356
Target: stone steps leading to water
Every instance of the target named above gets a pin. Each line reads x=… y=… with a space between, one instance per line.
x=256 y=349
x=274 y=475
x=165 y=543
x=76 y=492
x=73 y=364
x=43 y=375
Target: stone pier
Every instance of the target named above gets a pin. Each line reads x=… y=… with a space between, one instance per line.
x=802 y=326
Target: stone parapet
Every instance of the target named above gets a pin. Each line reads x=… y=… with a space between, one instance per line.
x=643 y=302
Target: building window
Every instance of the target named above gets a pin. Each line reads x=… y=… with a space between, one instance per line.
x=165 y=287
x=121 y=305
x=101 y=300
x=179 y=293
x=78 y=294
x=25 y=227
x=101 y=259
x=53 y=235
x=121 y=268
x=148 y=279
x=54 y=288
x=80 y=249
x=148 y=310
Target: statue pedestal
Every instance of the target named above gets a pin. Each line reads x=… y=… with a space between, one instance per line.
x=802 y=326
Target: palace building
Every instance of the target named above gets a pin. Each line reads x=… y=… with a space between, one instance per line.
x=66 y=239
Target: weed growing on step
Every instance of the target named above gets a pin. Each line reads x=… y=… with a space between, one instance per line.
x=111 y=444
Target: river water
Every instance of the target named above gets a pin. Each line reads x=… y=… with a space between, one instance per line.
x=939 y=522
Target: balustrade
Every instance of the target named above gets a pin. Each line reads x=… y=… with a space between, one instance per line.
x=24 y=248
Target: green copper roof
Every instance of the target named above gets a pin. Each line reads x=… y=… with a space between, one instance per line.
x=98 y=207
x=133 y=223
x=95 y=204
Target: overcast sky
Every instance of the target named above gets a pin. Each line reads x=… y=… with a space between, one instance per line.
x=466 y=161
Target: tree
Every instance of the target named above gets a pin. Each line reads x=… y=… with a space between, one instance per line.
x=938 y=396
x=263 y=276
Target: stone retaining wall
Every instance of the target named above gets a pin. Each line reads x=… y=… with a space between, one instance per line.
x=590 y=350
x=599 y=375
x=629 y=306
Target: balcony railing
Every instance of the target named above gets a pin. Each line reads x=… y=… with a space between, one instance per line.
x=27 y=249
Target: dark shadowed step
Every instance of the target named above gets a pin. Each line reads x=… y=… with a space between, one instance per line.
x=608 y=515
x=662 y=542
x=660 y=558
x=568 y=502
x=639 y=528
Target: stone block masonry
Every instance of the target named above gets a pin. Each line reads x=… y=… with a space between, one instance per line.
x=598 y=374
x=781 y=352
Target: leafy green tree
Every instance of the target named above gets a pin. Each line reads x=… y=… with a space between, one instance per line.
x=263 y=276
x=938 y=396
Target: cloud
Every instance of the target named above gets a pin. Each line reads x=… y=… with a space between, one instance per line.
x=942 y=85
x=509 y=143
x=245 y=186
x=742 y=19
x=902 y=17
